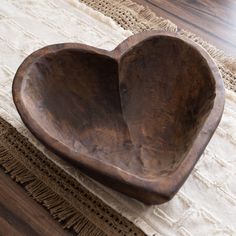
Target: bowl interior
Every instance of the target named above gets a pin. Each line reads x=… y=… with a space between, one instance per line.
x=140 y=114
x=168 y=92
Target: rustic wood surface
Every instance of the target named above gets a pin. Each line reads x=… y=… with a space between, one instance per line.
x=220 y=12
x=213 y=20
x=136 y=118
x=21 y=215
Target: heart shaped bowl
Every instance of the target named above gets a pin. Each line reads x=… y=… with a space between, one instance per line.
x=136 y=118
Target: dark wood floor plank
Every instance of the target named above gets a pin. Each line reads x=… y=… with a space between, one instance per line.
x=214 y=21
x=16 y=222
x=205 y=16
x=8 y=229
x=21 y=215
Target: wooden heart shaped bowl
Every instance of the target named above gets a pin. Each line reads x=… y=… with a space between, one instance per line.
x=136 y=118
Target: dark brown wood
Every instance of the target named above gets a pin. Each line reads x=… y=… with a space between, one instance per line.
x=136 y=118
x=213 y=20
x=20 y=215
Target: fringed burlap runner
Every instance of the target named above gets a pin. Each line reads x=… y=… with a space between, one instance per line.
x=68 y=201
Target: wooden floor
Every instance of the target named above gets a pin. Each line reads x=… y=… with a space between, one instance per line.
x=214 y=20
x=21 y=215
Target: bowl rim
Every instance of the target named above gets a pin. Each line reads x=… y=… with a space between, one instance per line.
x=165 y=186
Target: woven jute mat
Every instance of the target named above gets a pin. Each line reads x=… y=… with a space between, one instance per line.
x=68 y=201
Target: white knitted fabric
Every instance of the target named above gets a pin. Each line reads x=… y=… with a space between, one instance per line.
x=205 y=205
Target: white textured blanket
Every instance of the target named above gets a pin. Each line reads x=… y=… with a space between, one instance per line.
x=206 y=204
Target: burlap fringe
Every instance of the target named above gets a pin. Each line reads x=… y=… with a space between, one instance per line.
x=67 y=200
x=145 y=16
x=130 y=15
x=58 y=207
x=228 y=62
x=137 y=18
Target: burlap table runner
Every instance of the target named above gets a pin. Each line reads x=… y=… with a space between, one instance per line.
x=54 y=184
